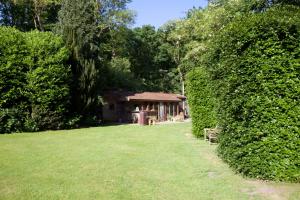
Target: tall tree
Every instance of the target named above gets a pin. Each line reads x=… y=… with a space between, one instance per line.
x=78 y=25
x=144 y=46
x=152 y=63
x=177 y=36
x=114 y=21
x=40 y=8
x=92 y=31
x=29 y=14
x=15 y=14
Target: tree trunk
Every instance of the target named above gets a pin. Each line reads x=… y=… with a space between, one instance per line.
x=181 y=81
x=37 y=16
x=177 y=60
x=41 y=27
x=35 y=23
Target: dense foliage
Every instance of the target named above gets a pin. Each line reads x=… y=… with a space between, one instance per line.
x=13 y=68
x=27 y=15
x=252 y=65
x=78 y=27
x=237 y=59
x=34 y=81
x=258 y=59
x=201 y=101
x=105 y=54
x=152 y=62
x=48 y=80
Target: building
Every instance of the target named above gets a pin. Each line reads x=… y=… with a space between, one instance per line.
x=127 y=106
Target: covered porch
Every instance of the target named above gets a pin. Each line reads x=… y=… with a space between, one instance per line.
x=155 y=106
x=159 y=111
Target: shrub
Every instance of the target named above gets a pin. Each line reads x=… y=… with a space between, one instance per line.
x=11 y=120
x=201 y=101
x=256 y=67
x=48 y=79
x=73 y=122
x=34 y=81
x=13 y=68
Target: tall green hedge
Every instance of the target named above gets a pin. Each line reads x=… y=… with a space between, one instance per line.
x=201 y=101
x=256 y=66
x=48 y=80
x=13 y=68
x=34 y=81
x=13 y=52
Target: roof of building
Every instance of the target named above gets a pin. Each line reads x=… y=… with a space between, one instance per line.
x=145 y=96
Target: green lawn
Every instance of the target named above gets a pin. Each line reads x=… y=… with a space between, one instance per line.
x=123 y=162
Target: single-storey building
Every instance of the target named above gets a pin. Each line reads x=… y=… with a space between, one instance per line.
x=127 y=106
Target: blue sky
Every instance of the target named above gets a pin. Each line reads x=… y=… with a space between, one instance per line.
x=158 y=12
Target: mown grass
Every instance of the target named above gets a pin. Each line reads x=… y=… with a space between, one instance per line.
x=120 y=162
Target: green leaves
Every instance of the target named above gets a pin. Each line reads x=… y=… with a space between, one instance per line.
x=249 y=77
x=48 y=79
x=13 y=66
x=34 y=81
x=257 y=78
x=78 y=26
x=201 y=100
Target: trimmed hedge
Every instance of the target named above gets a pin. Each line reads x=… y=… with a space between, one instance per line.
x=201 y=101
x=13 y=52
x=34 y=81
x=13 y=68
x=48 y=79
x=256 y=66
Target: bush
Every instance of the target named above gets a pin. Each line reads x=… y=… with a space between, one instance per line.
x=256 y=67
x=13 y=68
x=201 y=101
x=73 y=122
x=34 y=81
x=47 y=80
x=11 y=120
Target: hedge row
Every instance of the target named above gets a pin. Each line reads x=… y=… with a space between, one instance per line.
x=259 y=58
x=34 y=81
x=254 y=63
x=201 y=101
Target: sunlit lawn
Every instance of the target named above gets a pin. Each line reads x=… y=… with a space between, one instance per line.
x=123 y=162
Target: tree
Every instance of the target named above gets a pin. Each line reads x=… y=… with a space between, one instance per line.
x=114 y=21
x=78 y=25
x=179 y=36
x=91 y=31
x=120 y=75
x=144 y=45
x=151 y=61
x=29 y=14
x=254 y=5
x=39 y=9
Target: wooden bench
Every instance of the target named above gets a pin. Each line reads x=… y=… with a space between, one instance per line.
x=211 y=134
